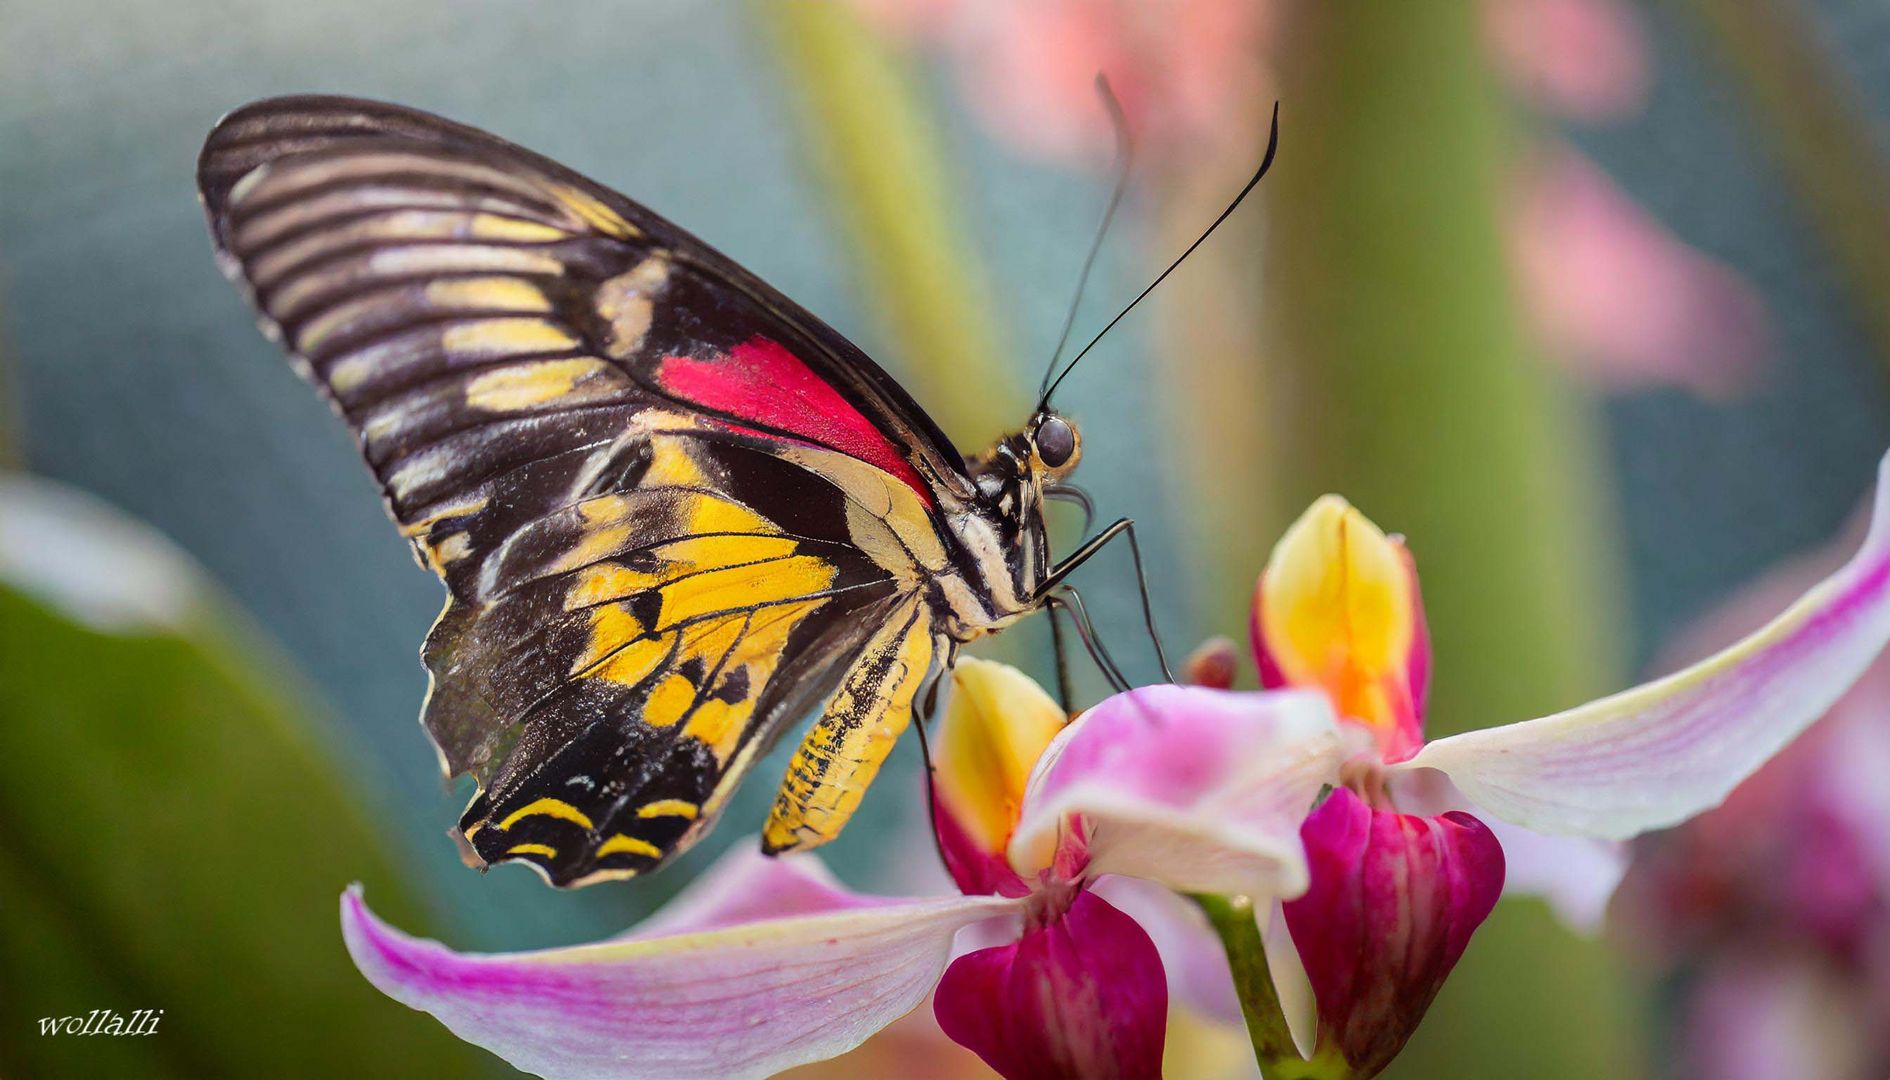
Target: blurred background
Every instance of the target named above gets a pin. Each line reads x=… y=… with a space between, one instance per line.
x=1590 y=299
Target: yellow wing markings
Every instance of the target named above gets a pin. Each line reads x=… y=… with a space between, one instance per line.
x=501 y=336
x=608 y=581
x=681 y=808
x=723 y=715
x=669 y=701
x=744 y=586
x=398 y=301
x=400 y=225
x=547 y=807
x=516 y=387
x=630 y=845
x=594 y=212
x=546 y=850
x=633 y=662
x=467 y=341
x=488 y=293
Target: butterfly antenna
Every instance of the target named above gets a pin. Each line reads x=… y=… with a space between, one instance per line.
x=1125 y=155
x=1273 y=145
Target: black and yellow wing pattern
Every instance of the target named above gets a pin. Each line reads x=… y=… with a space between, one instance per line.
x=673 y=511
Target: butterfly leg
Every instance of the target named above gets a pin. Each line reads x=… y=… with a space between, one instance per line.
x=927 y=709
x=1068 y=601
x=1062 y=570
x=1061 y=651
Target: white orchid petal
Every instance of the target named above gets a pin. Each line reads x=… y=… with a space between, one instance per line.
x=1575 y=875
x=1290 y=982
x=1662 y=752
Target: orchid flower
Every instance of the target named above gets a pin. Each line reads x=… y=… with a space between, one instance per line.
x=764 y=964
x=1408 y=853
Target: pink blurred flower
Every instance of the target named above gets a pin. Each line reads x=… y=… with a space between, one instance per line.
x=1586 y=59
x=1618 y=296
x=1773 y=911
x=1184 y=70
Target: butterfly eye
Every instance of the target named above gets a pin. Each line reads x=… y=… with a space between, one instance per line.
x=1056 y=442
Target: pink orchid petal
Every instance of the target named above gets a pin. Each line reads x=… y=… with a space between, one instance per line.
x=1622 y=299
x=1200 y=790
x=1393 y=902
x=1082 y=996
x=741 y=1000
x=1664 y=751
x=1584 y=58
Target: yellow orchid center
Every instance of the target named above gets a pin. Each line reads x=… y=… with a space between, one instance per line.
x=1338 y=609
x=996 y=726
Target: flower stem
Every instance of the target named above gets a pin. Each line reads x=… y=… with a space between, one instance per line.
x=1233 y=920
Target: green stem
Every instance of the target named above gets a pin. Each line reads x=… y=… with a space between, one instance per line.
x=1233 y=920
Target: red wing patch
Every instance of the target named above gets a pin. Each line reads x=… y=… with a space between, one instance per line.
x=761 y=381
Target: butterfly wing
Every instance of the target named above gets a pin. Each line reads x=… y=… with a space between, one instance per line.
x=671 y=508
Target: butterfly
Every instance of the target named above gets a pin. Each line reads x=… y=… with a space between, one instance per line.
x=673 y=511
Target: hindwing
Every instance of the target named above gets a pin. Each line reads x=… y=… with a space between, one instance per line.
x=670 y=507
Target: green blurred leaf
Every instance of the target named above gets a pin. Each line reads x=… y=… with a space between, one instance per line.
x=170 y=835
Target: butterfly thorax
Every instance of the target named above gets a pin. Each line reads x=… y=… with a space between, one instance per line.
x=1002 y=549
